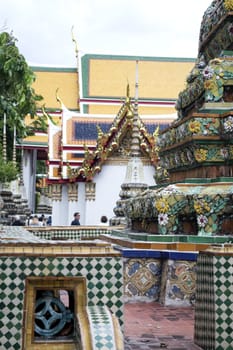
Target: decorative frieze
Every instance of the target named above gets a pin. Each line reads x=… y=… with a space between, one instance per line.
x=90 y=191
x=56 y=192
x=72 y=189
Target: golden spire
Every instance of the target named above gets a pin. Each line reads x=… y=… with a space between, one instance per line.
x=135 y=143
x=127 y=102
x=127 y=93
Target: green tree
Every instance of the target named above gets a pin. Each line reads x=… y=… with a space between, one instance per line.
x=8 y=171
x=17 y=99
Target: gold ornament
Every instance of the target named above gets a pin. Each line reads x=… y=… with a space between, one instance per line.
x=228 y=4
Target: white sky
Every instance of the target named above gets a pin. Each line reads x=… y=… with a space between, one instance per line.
x=166 y=28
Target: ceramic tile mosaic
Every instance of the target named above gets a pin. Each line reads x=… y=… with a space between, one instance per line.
x=213 y=309
x=168 y=276
x=104 y=287
x=102 y=331
x=142 y=278
x=178 y=282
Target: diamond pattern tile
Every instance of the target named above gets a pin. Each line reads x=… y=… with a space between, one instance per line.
x=100 y=289
x=223 y=274
x=213 y=309
x=102 y=331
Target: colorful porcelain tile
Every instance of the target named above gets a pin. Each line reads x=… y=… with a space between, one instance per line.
x=142 y=278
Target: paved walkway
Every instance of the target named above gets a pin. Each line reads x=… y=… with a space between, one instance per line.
x=153 y=326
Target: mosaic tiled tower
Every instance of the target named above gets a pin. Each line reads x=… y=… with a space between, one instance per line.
x=194 y=177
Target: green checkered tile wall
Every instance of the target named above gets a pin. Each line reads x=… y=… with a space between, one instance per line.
x=223 y=285
x=104 y=277
x=213 y=328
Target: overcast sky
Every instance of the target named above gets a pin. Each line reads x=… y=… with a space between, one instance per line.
x=155 y=28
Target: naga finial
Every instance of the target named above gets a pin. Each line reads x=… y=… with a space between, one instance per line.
x=58 y=98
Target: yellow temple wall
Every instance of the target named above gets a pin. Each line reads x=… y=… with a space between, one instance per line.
x=142 y=110
x=160 y=80
x=66 y=81
x=157 y=79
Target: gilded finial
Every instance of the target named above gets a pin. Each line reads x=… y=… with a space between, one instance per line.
x=44 y=112
x=127 y=90
x=156 y=132
x=58 y=98
x=136 y=83
x=127 y=93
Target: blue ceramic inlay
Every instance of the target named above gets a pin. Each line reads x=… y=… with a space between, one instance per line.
x=158 y=254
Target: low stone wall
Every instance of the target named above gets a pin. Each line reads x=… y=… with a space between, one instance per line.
x=68 y=232
x=155 y=267
x=27 y=264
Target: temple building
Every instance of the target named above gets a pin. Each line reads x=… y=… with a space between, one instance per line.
x=87 y=147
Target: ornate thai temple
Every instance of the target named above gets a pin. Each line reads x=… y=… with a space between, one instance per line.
x=89 y=140
x=130 y=143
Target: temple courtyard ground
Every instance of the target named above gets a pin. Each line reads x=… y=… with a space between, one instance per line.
x=154 y=326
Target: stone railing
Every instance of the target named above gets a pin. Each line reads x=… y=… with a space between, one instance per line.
x=68 y=232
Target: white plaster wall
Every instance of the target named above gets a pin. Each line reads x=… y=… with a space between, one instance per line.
x=78 y=206
x=63 y=211
x=59 y=209
x=108 y=187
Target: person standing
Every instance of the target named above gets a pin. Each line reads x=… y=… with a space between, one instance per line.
x=49 y=221
x=17 y=221
x=35 y=221
x=76 y=219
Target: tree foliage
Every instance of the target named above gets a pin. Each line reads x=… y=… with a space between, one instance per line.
x=8 y=171
x=17 y=97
